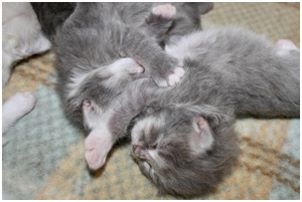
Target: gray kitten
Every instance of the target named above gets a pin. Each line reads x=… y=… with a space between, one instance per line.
x=182 y=136
x=95 y=36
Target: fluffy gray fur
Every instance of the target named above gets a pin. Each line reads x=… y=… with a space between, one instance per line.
x=97 y=34
x=229 y=73
x=53 y=15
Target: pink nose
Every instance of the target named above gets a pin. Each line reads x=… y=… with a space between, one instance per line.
x=138 y=151
x=134 y=148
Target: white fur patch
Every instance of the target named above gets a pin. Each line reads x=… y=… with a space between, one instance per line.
x=183 y=48
x=159 y=161
x=176 y=76
x=91 y=114
x=116 y=71
x=284 y=46
x=203 y=140
x=120 y=69
x=75 y=82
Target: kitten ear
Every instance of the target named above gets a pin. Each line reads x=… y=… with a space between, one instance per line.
x=202 y=138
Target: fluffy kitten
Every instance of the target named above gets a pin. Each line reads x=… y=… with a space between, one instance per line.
x=89 y=46
x=92 y=39
x=183 y=140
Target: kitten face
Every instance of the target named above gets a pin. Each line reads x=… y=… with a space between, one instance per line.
x=177 y=150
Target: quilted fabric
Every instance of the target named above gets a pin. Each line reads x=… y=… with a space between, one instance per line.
x=44 y=154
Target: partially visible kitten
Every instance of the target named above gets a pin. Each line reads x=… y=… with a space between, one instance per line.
x=52 y=15
x=187 y=19
x=21 y=38
x=183 y=141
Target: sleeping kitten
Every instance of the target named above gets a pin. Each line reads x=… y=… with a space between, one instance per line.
x=88 y=45
x=87 y=58
x=21 y=38
x=182 y=137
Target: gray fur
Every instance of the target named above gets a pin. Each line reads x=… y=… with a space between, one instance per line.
x=52 y=16
x=230 y=73
x=97 y=34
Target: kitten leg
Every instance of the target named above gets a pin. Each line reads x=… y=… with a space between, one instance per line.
x=161 y=15
x=91 y=114
x=115 y=121
x=16 y=107
x=98 y=143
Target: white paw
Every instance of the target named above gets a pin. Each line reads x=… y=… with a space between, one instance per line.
x=16 y=107
x=97 y=147
x=176 y=76
x=165 y=10
x=284 y=47
x=23 y=101
x=286 y=44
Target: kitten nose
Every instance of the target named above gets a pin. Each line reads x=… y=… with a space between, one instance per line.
x=137 y=150
x=134 y=148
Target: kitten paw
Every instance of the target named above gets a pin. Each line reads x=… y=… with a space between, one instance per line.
x=165 y=10
x=171 y=78
x=16 y=107
x=24 y=102
x=176 y=76
x=97 y=146
x=285 y=44
x=284 y=47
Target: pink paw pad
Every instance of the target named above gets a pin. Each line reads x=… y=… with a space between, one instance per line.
x=165 y=10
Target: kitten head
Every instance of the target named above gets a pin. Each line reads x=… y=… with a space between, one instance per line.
x=184 y=150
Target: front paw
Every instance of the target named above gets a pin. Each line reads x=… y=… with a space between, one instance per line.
x=285 y=46
x=176 y=76
x=164 y=10
x=169 y=77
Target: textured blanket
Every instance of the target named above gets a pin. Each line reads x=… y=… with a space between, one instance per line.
x=44 y=154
